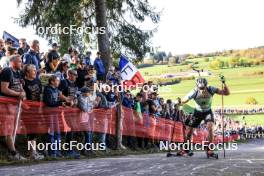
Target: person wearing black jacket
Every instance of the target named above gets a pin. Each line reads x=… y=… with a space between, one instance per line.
x=69 y=89
x=68 y=86
x=11 y=86
x=33 y=88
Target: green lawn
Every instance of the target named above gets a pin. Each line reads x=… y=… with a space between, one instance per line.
x=239 y=80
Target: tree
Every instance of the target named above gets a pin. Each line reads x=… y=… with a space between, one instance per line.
x=42 y=14
x=123 y=18
x=103 y=39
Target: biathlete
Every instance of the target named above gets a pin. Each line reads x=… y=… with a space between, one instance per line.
x=203 y=96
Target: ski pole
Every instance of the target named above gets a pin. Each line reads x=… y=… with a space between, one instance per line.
x=222 y=114
x=17 y=120
x=17 y=117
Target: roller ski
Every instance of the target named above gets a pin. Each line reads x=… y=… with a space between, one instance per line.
x=182 y=153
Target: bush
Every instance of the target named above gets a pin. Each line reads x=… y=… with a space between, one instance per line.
x=233 y=62
x=185 y=63
x=216 y=64
x=251 y=101
x=165 y=81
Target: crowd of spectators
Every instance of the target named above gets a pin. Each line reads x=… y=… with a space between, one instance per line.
x=241 y=111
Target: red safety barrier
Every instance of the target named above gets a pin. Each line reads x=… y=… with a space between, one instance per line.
x=150 y=126
x=36 y=118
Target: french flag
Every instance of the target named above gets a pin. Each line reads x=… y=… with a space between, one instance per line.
x=129 y=73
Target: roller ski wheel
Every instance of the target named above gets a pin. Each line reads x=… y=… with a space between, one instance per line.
x=212 y=155
x=171 y=155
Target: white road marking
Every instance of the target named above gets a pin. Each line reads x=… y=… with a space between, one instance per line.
x=249 y=161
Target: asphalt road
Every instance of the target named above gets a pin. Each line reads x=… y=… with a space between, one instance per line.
x=248 y=160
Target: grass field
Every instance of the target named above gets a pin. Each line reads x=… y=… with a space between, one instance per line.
x=250 y=119
x=241 y=81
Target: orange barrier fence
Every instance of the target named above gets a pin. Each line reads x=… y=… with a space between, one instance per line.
x=36 y=118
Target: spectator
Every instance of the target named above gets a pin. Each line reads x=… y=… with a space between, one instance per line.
x=2 y=49
x=152 y=105
x=113 y=76
x=87 y=59
x=23 y=46
x=69 y=89
x=33 y=88
x=74 y=60
x=111 y=98
x=11 y=86
x=8 y=43
x=4 y=62
x=169 y=110
x=163 y=107
x=99 y=67
x=32 y=56
x=90 y=77
x=68 y=86
x=127 y=100
x=82 y=73
x=103 y=103
x=52 y=97
x=86 y=104
x=86 y=76
x=68 y=56
x=53 y=59
x=32 y=84
x=62 y=69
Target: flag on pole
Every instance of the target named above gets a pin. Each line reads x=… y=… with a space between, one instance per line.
x=129 y=73
x=6 y=36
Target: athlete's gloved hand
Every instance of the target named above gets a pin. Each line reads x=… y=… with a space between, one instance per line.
x=222 y=79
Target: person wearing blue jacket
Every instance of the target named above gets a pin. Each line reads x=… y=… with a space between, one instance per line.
x=32 y=56
x=127 y=100
x=54 y=98
x=87 y=59
x=99 y=67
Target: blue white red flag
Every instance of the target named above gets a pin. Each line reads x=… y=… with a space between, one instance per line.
x=129 y=73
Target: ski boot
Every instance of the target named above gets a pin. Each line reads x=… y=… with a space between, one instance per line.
x=170 y=154
x=211 y=154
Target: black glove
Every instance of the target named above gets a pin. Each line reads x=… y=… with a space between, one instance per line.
x=222 y=79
